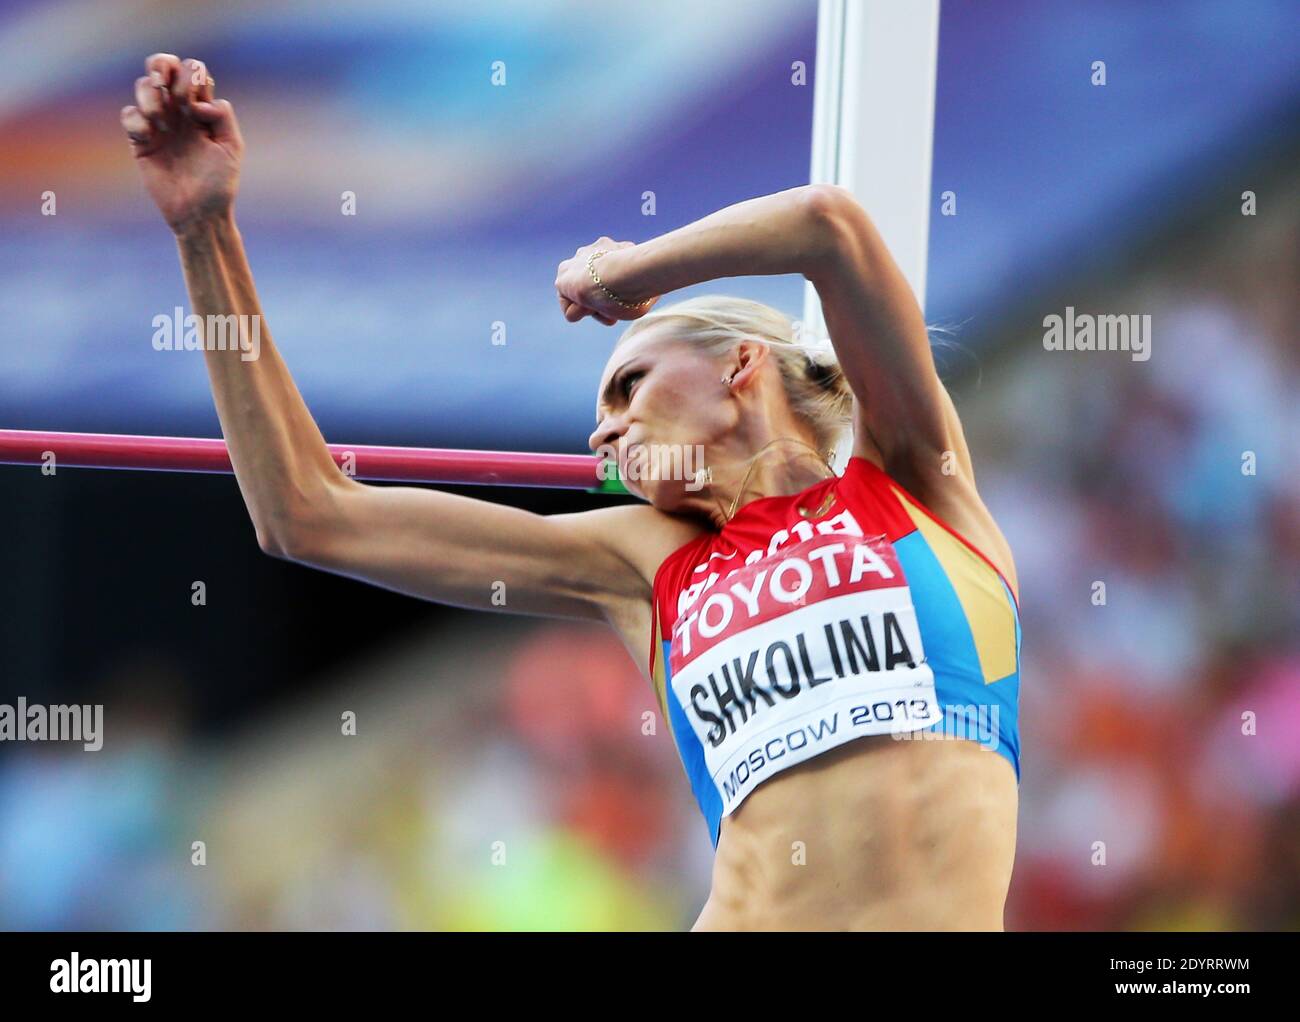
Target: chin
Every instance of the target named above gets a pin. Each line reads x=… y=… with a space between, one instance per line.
x=668 y=495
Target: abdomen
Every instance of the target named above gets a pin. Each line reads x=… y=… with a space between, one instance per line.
x=878 y=834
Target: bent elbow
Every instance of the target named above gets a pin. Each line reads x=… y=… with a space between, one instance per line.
x=301 y=530
x=827 y=202
x=836 y=222
x=288 y=541
x=273 y=544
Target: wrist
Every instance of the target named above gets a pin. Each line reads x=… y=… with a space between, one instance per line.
x=205 y=225
x=613 y=277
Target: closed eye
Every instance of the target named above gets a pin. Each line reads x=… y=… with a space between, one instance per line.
x=619 y=387
x=625 y=385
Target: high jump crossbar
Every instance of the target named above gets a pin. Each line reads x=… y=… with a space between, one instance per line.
x=873 y=133
x=363 y=461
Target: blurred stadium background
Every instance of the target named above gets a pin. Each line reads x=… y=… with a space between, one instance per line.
x=222 y=722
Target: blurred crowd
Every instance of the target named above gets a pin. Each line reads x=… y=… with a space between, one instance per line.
x=1161 y=727
x=518 y=776
x=508 y=777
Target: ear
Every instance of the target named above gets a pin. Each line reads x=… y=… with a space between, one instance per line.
x=748 y=357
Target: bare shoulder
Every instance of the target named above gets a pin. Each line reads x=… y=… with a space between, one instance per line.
x=640 y=536
x=957 y=502
x=927 y=473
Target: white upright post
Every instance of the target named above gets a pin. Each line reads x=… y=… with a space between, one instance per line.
x=873 y=122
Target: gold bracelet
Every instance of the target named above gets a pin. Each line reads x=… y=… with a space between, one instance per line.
x=591 y=268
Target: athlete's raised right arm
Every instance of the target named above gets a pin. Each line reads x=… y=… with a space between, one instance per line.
x=440 y=546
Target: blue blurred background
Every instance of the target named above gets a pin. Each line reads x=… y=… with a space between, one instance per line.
x=223 y=720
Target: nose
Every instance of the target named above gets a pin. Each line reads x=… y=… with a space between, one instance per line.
x=606 y=433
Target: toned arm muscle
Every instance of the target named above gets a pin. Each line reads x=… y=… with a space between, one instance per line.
x=188 y=148
x=880 y=339
x=472 y=553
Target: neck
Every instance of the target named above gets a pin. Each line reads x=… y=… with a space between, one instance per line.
x=782 y=467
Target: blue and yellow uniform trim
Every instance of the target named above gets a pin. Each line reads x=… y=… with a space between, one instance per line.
x=967 y=615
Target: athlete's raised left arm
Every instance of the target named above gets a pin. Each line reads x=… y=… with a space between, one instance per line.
x=902 y=411
x=879 y=335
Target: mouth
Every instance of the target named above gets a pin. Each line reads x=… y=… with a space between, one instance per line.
x=625 y=446
x=633 y=468
x=623 y=459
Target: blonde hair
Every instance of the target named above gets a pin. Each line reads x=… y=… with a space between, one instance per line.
x=814 y=384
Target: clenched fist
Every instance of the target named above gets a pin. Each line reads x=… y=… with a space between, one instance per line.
x=186 y=143
x=581 y=296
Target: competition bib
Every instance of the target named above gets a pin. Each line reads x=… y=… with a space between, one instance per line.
x=796 y=653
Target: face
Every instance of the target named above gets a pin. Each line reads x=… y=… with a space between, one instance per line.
x=663 y=408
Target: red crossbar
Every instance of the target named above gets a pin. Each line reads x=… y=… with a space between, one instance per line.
x=404 y=464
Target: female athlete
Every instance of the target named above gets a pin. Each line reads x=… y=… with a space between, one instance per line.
x=836 y=655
